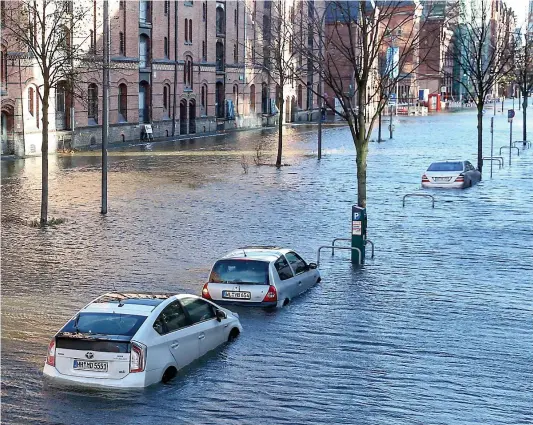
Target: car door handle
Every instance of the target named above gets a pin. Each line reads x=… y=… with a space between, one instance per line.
x=175 y=345
x=201 y=336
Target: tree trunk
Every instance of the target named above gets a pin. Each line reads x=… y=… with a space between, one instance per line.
x=379 y=127
x=524 y=115
x=44 y=158
x=280 y=128
x=480 y=136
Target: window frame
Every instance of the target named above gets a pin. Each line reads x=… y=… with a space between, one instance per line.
x=306 y=266
x=212 y=308
x=282 y=257
x=167 y=331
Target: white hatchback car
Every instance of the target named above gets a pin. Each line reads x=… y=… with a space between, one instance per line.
x=135 y=340
x=450 y=174
x=260 y=276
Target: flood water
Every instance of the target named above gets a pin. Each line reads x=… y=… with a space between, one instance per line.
x=436 y=329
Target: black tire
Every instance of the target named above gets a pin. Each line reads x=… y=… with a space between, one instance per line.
x=169 y=374
x=233 y=334
x=286 y=302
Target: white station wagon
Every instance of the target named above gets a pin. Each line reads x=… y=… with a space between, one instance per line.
x=260 y=276
x=136 y=340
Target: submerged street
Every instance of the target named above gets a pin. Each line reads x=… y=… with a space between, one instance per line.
x=436 y=329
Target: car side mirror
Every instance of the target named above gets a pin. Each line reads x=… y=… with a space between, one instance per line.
x=221 y=315
x=312 y=266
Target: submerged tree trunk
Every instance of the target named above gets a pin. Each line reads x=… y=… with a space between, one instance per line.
x=44 y=158
x=524 y=115
x=280 y=128
x=480 y=136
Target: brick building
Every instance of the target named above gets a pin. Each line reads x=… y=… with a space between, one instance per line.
x=183 y=67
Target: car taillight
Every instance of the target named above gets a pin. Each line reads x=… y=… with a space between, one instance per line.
x=137 y=357
x=271 y=295
x=205 y=292
x=425 y=179
x=51 y=354
x=460 y=178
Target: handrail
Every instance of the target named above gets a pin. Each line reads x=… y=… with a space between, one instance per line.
x=494 y=158
x=528 y=143
x=420 y=194
x=338 y=247
x=349 y=240
x=510 y=147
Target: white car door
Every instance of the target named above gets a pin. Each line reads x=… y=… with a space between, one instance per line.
x=179 y=335
x=303 y=275
x=287 y=283
x=210 y=332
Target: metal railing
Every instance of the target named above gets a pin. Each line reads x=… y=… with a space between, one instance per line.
x=510 y=147
x=349 y=240
x=495 y=158
x=425 y=195
x=528 y=143
x=338 y=247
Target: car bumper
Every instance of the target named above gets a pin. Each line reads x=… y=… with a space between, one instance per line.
x=225 y=302
x=454 y=185
x=133 y=380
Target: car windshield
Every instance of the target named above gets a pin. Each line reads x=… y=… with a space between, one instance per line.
x=446 y=166
x=240 y=271
x=105 y=323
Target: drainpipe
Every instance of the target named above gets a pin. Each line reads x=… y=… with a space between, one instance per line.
x=175 y=67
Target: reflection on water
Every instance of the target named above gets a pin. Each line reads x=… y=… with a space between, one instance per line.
x=435 y=329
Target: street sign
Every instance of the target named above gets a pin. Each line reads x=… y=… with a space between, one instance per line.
x=510 y=115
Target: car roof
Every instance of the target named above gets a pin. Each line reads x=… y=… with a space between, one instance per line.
x=449 y=160
x=259 y=253
x=138 y=303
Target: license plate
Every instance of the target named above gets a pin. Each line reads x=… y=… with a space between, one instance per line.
x=442 y=179
x=92 y=366
x=237 y=295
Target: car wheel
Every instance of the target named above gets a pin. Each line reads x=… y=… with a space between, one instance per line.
x=286 y=302
x=233 y=334
x=169 y=374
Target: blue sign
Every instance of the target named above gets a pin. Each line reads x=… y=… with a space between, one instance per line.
x=510 y=113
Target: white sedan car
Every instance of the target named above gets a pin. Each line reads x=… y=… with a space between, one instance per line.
x=450 y=174
x=136 y=340
x=260 y=276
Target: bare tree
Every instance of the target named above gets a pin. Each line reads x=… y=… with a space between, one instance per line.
x=367 y=49
x=483 y=51
x=523 y=73
x=44 y=30
x=275 y=29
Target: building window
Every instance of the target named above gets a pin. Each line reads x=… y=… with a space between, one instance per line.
x=60 y=98
x=188 y=31
x=204 y=50
x=235 y=53
x=203 y=99
x=220 y=62
x=144 y=51
x=236 y=98
x=220 y=21
x=122 y=45
x=123 y=102
x=31 y=94
x=165 y=47
x=144 y=11
x=92 y=47
x=204 y=11
x=167 y=7
x=92 y=102
x=252 y=98
x=122 y=5
x=144 y=102
x=300 y=96
x=187 y=73
x=309 y=96
x=3 y=67
x=166 y=99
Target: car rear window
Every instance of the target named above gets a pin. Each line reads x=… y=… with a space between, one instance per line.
x=446 y=166
x=105 y=324
x=240 y=271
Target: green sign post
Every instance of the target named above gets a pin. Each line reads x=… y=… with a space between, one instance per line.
x=359 y=223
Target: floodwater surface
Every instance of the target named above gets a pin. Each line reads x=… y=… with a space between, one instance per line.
x=436 y=329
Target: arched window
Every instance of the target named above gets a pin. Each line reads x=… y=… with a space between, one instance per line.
x=166 y=99
x=144 y=51
x=220 y=21
x=92 y=102
x=190 y=30
x=220 y=61
x=187 y=73
x=3 y=68
x=264 y=99
x=186 y=30
x=31 y=96
x=300 y=96
x=203 y=99
x=123 y=102
x=252 y=98
x=144 y=101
